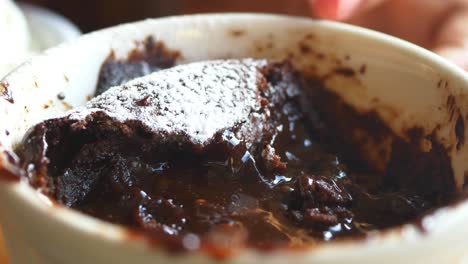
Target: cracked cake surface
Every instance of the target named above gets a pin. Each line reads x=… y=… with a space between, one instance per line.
x=196 y=100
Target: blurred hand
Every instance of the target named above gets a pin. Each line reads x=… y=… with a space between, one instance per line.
x=439 y=25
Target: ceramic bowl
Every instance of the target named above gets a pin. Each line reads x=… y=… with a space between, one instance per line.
x=406 y=86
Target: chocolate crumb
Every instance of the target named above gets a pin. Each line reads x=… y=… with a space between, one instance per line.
x=450 y=102
x=304 y=48
x=347 y=72
x=363 y=69
x=237 y=32
x=61 y=96
x=66 y=105
x=269 y=45
x=465 y=183
x=320 y=56
x=309 y=36
x=338 y=62
x=259 y=48
x=460 y=132
x=6 y=93
x=143 y=102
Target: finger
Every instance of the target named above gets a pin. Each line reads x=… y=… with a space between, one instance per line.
x=454 y=30
x=456 y=55
x=334 y=9
x=451 y=40
x=340 y=9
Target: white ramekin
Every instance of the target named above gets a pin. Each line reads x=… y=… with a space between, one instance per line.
x=405 y=85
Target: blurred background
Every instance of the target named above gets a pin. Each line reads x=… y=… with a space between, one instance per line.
x=95 y=14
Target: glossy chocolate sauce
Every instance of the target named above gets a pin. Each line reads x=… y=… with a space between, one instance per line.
x=286 y=179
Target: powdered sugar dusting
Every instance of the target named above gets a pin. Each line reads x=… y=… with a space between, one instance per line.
x=197 y=99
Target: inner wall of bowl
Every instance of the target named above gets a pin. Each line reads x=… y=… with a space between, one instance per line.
x=406 y=89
